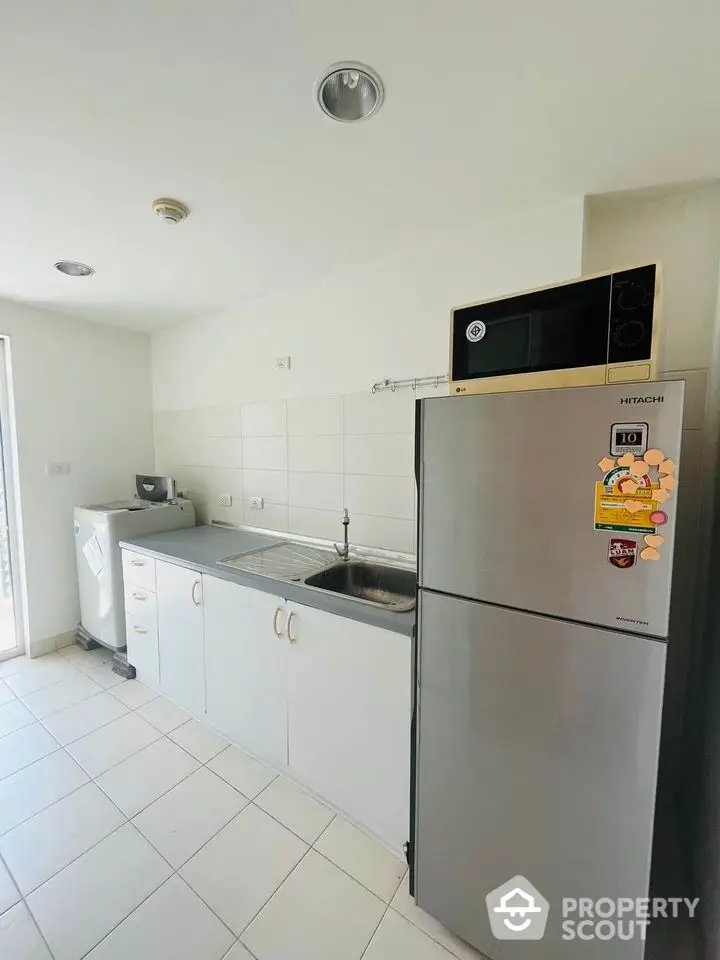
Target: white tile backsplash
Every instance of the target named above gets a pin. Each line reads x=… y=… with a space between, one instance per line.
x=385 y=412
x=320 y=454
x=325 y=524
x=308 y=458
x=380 y=496
x=266 y=419
x=320 y=491
x=311 y=416
x=381 y=454
x=265 y=453
x=271 y=485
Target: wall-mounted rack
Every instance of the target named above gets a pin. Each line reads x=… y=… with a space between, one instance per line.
x=410 y=382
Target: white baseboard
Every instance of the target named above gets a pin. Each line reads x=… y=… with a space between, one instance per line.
x=38 y=648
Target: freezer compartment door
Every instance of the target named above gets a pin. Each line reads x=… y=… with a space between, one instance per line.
x=507 y=502
x=537 y=752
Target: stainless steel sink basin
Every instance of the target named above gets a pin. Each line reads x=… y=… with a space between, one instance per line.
x=390 y=587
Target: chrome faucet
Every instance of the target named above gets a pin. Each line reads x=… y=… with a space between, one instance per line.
x=344 y=551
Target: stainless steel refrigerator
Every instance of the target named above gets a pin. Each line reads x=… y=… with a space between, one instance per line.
x=546 y=527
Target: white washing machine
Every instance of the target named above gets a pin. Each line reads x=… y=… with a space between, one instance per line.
x=98 y=531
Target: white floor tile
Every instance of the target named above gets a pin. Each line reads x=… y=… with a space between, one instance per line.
x=40 y=673
x=82 y=718
x=113 y=743
x=19 y=937
x=14 y=715
x=238 y=952
x=163 y=714
x=198 y=740
x=6 y=694
x=103 y=674
x=29 y=791
x=363 y=858
x=15 y=665
x=246 y=774
x=295 y=809
x=44 y=845
x=397 y=937
x=404 y=904
x=23 y=747
x=85 y=901
x=9 y=895
x=173 y=923
x=141 y=779
x=179 y=823
x=243 y=865
x=319 y=913
x=133 y=693
x=86 y=659
x=59 y=695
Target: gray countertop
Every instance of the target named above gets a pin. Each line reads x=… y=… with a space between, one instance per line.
x=200 y=548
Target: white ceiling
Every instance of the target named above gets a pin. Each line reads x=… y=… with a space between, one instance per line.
x=489 y=106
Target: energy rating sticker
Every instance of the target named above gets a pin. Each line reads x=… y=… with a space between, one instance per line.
x=624 y=512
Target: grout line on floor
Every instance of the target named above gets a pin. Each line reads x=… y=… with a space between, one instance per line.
x=25 y=904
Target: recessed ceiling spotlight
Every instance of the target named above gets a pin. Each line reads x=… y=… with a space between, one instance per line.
x=72 y=268
x=349 y=92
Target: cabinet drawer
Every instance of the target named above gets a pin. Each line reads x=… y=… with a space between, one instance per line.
x=140 y=607
x=139 y=569
x=143 y=651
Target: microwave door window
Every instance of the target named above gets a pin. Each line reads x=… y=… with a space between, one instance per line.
x=505 y=347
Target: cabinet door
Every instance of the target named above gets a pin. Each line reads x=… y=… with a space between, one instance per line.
x=180 y=635
x=246 y=658
x=349 y=718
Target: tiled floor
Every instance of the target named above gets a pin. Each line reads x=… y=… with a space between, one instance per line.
x=129 y=830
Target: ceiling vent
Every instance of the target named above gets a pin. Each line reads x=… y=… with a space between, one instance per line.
x=171 y=211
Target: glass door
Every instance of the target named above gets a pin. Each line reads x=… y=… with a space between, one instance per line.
x=10 y=633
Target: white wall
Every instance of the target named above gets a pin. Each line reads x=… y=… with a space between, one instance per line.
x=228 y=422
x=82 y=394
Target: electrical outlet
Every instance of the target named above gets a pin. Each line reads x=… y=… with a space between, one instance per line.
x=224 y=500
x=282 y=363
x=257 y=503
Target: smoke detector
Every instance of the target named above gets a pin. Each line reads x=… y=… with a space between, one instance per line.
x=171 y=211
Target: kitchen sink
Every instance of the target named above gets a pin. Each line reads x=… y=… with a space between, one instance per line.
x=390 y=587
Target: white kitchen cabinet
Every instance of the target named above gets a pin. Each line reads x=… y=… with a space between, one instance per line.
x=180 y=635
x=246 y=663
x=349 y=708
x=142 y=633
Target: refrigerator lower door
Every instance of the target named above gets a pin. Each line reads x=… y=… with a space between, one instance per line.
x=537 y=753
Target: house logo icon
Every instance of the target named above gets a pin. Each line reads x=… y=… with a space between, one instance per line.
x=517 y=911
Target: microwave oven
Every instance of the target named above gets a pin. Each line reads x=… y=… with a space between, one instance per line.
x=586 y=332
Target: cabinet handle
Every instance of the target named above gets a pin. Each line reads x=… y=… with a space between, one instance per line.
x=195 y=598
x=278 y=633
x=139 y=596
x=137 y=563
x=139 y=629
x=291 y=638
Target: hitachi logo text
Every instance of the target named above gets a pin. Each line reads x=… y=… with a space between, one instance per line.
x=642 y=400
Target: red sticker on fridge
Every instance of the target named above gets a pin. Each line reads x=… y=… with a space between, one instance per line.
x=622 y=553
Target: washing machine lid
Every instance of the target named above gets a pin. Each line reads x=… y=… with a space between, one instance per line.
x=120 y=506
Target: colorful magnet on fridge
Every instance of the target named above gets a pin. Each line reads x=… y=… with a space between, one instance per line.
x=668 y=483
x=632 y=506
x=654 y=457
x=606 y=464
x=659 y=518
x=627 y=486
x=626 y=459
x=639 y=469
x=649 y=553
x=654 y=540
x=660 y=496
x=667 y=466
